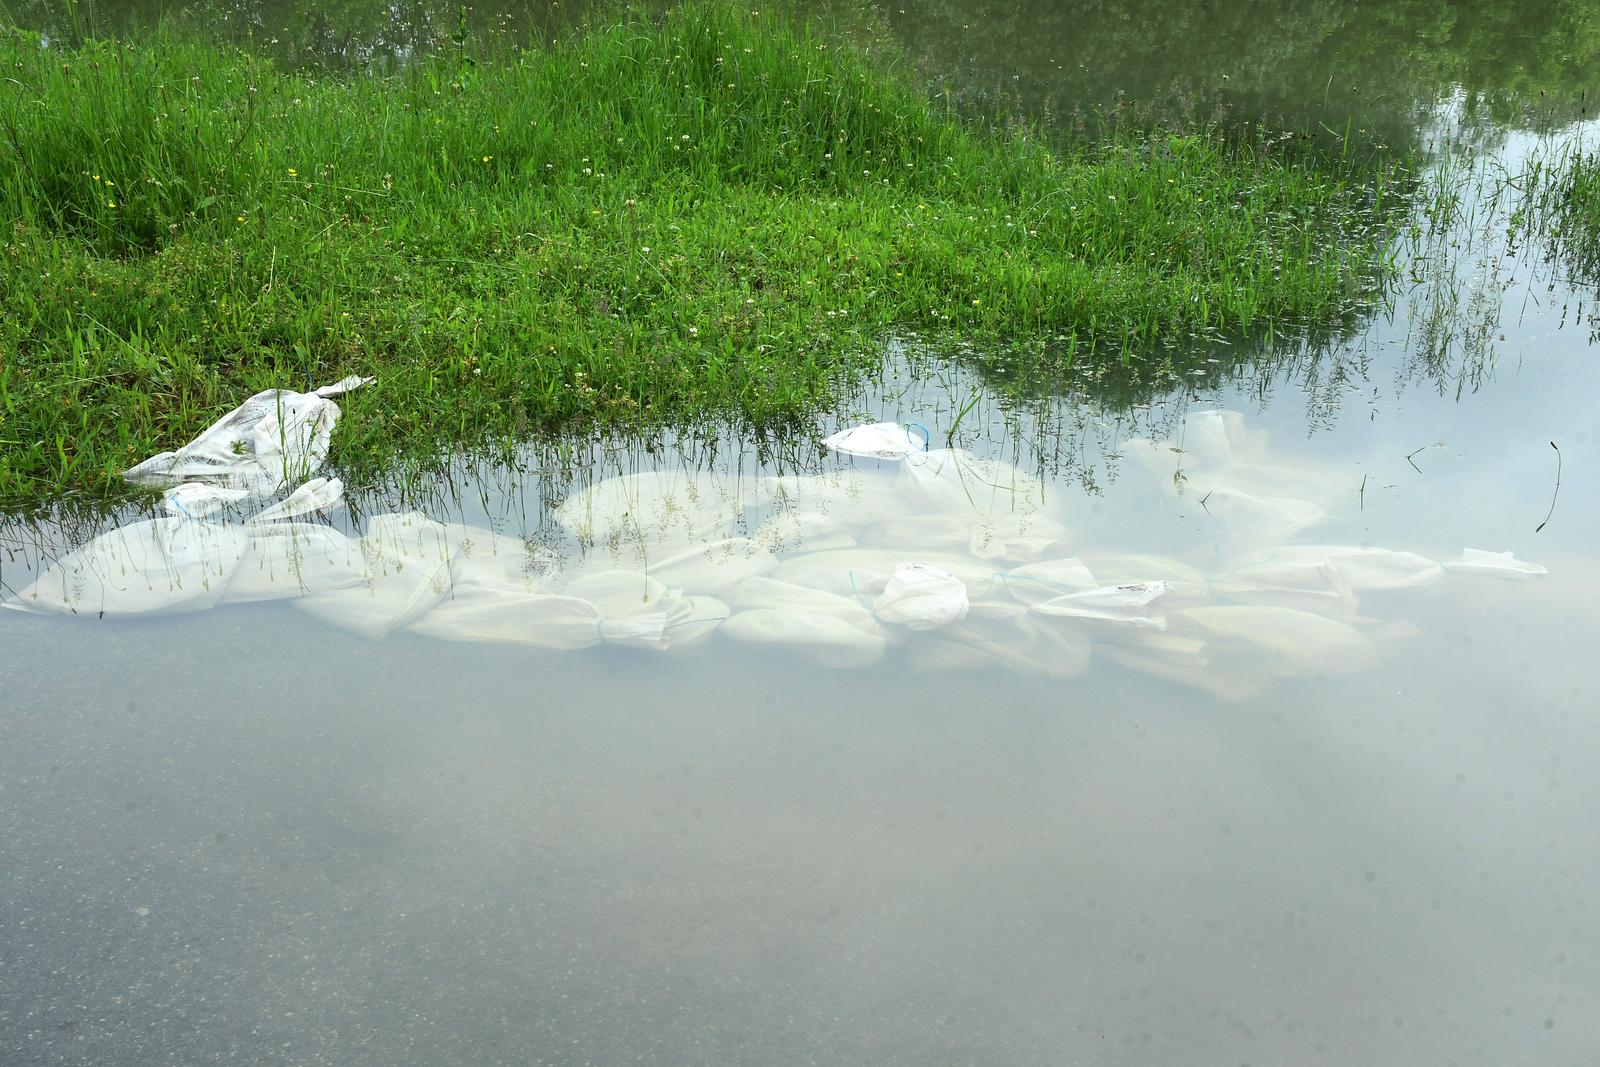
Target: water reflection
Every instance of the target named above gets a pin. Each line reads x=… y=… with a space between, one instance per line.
x=1375 y=72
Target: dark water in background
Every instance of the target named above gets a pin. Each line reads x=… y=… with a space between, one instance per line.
x=246 y=836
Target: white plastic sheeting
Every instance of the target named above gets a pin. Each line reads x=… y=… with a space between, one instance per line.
x=954 y=560
x=274 y=439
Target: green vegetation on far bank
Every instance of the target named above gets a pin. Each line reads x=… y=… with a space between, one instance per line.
x=714 y=213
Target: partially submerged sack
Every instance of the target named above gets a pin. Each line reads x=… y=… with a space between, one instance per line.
x=407 y=570
x=141 y=568
x=274 y=439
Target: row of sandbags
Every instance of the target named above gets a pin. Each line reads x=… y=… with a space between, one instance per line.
x=954 y=556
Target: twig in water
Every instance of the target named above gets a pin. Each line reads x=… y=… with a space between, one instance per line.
x=1553 y=495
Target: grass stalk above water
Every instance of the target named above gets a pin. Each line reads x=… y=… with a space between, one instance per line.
x=709 y=213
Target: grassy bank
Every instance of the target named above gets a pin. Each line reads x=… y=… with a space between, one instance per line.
x=718 y=213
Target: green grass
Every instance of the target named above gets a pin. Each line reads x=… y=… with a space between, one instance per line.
x=712 y=214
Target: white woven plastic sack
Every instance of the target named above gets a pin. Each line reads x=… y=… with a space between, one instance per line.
x=1310 y=584
x=1127 y=605
x=659 y=507
x=1286 y=642
x=318 y=494
x=1493 y=564
x=953 y=480
x=274 y=439
x=878 y=440
x=822 y=627
x=703 y=569
x=809 y=531
x=292 y=559
x=1003 y=635
x=143 y=568
x=197 y=500
x=866 y=571
x=1034 y=583
x=922 y=597
x=407 y=570
x=1366 y=568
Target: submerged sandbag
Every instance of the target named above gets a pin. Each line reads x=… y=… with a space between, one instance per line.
x=1493 y=564
x=1127 y=605
x=1366 y=568
x=407 y=560
x=1310 y=584
x=655 y=506
x=921 y=597
x=878 y=440
x=822 y=627
x=794 y=531
x=1288 y=642
x=1005 y=635
x=953 y=480
x=142 y=568
x=292 y=559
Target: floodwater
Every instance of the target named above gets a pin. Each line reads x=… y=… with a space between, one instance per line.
x=252 y=834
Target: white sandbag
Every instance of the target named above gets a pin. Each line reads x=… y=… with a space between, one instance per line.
x=1018 y=537
x=141 y=568
x=1310 y=584
x=657 y=621
x=1126 y=605
x=795 y=531
x=1289 y=642
x=827 y=640
x=711 y=568
x=1183 y=582
x=197 y=500
x=292 y=559
x=654 y=507
x=866 y=571
x=407 y=560
x=1367 y=568
x=1255 y=522
x=507 y=616
x=274 y=439
x=856 y=500
x=1217 y=437
x=879 y=440
x=1002 y=634
x=318 y=494
x=1493 y=564
x=776 y=595
x=1323 y=486
x=921 y=597
x=1034 y=583
x=343 y=385
x=953 y=480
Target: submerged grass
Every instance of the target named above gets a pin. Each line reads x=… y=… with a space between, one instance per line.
x=1562 y=206
x=707 y=212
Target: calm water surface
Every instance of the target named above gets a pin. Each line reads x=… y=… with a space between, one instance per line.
x=247 y=836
